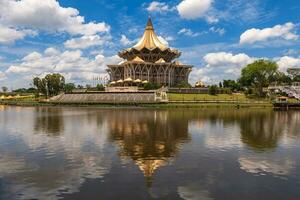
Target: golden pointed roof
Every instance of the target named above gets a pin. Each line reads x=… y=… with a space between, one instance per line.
x=138 y=59
x=161 y=60
x=150 y=39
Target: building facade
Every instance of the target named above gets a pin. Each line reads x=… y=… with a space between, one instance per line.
x=151 y=61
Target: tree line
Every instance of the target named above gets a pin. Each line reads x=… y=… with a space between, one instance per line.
x=254 y=77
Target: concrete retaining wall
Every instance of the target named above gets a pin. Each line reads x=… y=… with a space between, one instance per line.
x=111 y=98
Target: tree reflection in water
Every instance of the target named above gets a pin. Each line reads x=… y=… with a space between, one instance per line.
x=52 y=152
x=49 y=120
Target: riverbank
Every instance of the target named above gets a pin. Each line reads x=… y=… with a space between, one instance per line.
x=162 y=105
x=176 y=100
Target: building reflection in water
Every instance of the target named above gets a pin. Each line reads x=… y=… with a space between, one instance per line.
x=49 y=151
x=150 y=138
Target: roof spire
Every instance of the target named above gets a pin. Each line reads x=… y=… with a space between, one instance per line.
x=149 y=24
x=150 y=40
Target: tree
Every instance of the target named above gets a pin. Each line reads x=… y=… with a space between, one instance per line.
x=231 y=84
x=55 y=83
x=100 y=87
x=259 y=74
x=183 y=84
x=4 y=89
x=51 y=85
x=281 y=78
x=40 y=85
x=220 y=85
x=294 y=74
x=69 y=87
x=213 y=89
x=151 y=86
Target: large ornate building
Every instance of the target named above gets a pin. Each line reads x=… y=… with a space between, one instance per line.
x=150 y=60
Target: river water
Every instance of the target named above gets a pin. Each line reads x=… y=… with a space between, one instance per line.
x=93 y=153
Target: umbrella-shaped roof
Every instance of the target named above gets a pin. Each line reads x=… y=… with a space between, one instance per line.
x=128 y=80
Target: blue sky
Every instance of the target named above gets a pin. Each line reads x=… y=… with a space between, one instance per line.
x=79 y=38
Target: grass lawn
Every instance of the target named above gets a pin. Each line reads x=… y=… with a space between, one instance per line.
x=207 y=97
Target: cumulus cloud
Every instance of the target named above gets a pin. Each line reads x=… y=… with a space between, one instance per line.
x=156 y=6
x=221 y=65
x=262 y=165
x=85 y=42
x=125 y=41
x=193 y=9
x=188 y=32
x=285 y=32
x=46 y=15
x=2 y=76
x=9 y=35
x=71 y=64
x=286 y=62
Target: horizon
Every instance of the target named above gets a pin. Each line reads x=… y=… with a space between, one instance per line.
x=78 y=39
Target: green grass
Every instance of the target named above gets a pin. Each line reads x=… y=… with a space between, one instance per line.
x=207 y=97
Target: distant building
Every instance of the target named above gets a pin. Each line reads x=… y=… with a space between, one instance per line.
x=150 y=60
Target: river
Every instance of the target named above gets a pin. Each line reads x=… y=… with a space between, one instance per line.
x=132 y=153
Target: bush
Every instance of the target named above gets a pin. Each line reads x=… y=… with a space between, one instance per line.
x=100 y=87
x=69 y=87
x=213 y=90
x=152 y=86
x=183 y=84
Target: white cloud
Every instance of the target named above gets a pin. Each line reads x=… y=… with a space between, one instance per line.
x=85 y=42
x=125 y=41
x=277 y=32
x=221 y=65
x=46 y=15
x=2 y=76
x=262 y=165
x=188 y=32
x=72 y=64
x=220 y=31
x=10 y=35
x=288 y=62
x=223 y=59
x=193 y=9
x=156 y=6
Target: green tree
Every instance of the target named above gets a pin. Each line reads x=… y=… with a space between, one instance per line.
x=69 y=87
x=220 y=85
x=259 y=75
x=231 y=84
x=51 y=85
x=4 y=89
x=294 y=74
x=55 y=83
x=183 y=84
x=151 y=86
x=213 y=89
x=100 y=87
x=40 y=86
x=282 y=78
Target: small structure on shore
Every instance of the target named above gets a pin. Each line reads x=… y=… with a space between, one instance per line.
x=290 y=90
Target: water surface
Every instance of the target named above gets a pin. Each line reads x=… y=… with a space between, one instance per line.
x=88 y=153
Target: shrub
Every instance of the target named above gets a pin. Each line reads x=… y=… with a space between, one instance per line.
x=213 y=90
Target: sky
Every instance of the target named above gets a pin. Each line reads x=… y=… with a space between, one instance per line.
x=78 y=38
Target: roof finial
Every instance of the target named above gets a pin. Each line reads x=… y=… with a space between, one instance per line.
x=149 y=23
